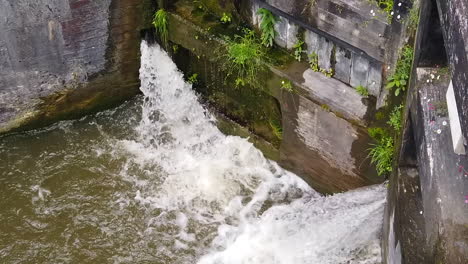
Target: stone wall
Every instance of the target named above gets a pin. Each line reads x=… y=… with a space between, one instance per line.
x=346 y=36
x=324 y=135
x=455 y=30
x=61 y=59
x=427 y=195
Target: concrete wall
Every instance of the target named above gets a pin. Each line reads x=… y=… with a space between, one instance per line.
x=427 y=196
x=62 y=58
x=324 y=136
x=455 y=31
x=345 y=35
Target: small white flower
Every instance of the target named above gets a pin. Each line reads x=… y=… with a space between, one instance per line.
x=438 y=77
x=444 y=123
x=399 y=4
x=428 y=80
x=282 y=82
x=432 y=76
x=388 y=68
x=373 y=14
x=420 y=212
x=392 y=13
x=372 y=11
x=398 y=17
x=439 y=131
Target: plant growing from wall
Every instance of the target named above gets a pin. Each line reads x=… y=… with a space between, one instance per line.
x=244 y=58
x=329 y=73
x=298 y=51
x=362 y=90
x=387 y=7
x=160 y=24
x=267 y=26
x=287 y=85
x=276 y=129
x=395 y=118
x=399 y=80
x=381 y=153
x=193 y=79
x=413 y=18
x=313 y=62
x=226 y=18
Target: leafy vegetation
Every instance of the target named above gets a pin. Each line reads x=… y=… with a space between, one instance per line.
x=298 y=50
x=376 y=133
x=413 y=18
x=325 y=107
x=387 y=7
x=399 y=80
x=287 y=85
x=379 y=116
x=193 y=79
x=362 y=90
x=267 y=26
x=395 y=118
x=381 y=155
x=245 y=58
x=313 y=61
x=226 y=18
x=160 y=24
x=329 y=73
x=276 y=129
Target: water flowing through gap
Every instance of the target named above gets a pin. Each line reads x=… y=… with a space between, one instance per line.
x=154 y=181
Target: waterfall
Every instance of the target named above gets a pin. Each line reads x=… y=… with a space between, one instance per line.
x=222 y=201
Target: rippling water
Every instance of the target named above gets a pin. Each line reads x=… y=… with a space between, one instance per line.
x=154 y=181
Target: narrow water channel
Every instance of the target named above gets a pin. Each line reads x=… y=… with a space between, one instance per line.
x=154 y=181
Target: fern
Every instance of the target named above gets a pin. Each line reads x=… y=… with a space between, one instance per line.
x=267 y=26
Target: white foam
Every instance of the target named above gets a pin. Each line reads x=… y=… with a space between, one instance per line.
x=223 y=199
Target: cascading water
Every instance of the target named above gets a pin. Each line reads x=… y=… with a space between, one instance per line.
x=172 y=190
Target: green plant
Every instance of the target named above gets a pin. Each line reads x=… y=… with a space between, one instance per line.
x=287 y=85
x=245 y=58
x=298 y=50
x=160 y=24
x=395 y=118
x=362 y=90
x=276 y=129
x=377 y=133
x=267 y=26
x=381 y=155
x=329 y=73
x=325 y=107
x=175 y=48
x=413 y=18
x=399 y=79
x=226 y=18
x=386 y=6
x=313 y=62
x=379 y=116
x=193 y=79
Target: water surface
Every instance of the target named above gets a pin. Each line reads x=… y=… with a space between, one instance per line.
x=154 y=181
